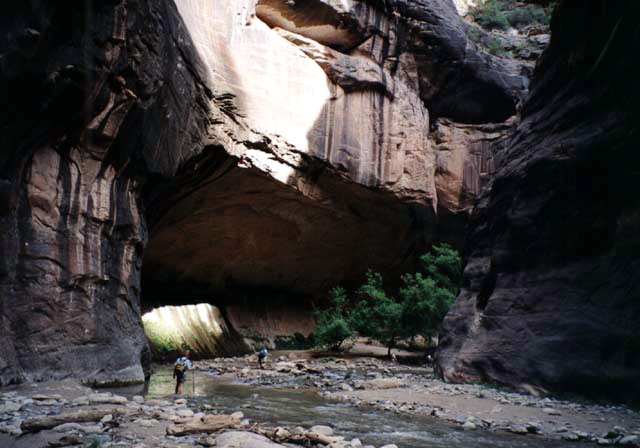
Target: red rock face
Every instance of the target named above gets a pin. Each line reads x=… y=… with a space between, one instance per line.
x=247 y=156
x=552 y=287
x=79 y=144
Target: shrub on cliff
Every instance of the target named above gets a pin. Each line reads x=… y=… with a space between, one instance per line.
x=528 y=15
x=490 y=16
x=162 y=340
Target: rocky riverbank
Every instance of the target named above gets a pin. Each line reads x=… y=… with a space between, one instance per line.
x=372 y=382
x=67 y=414
x=79 y=416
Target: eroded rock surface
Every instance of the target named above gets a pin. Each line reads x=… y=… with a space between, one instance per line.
x=332 y=104
x=201 y=327
x=100 y=96
x=551 y=299
x=289 y=159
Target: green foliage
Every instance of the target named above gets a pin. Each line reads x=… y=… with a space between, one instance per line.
x=489 y=15
x=333 y=324
x=332 y=332
x=160 y=338
x=528 y=15
x=501 y=14
x=377 y=315
x=495 y=47
x=427 y=297
x=420 y=306
x=444 y=265
x=474 y=34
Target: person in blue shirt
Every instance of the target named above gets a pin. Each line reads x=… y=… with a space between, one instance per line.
x=262 y=356
x=180 y=369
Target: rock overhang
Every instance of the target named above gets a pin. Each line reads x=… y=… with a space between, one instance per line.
x=210 y=99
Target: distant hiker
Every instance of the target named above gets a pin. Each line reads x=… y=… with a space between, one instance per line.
x=429 y=354
x=180 y=369
x=262 y=356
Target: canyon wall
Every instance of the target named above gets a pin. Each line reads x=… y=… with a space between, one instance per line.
x=267 y=144
x=551 y=294
x=323 y=110
x=201 y=328
x=98 y=97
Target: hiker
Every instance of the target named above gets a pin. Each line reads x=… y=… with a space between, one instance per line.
x=262 y=356
x=180 y=369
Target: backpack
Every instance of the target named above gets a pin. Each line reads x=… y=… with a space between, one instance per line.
x=180 y=367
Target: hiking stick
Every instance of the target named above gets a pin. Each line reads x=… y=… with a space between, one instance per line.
x=194 y=383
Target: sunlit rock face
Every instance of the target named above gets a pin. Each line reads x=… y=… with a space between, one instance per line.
x=323 y=104
x=200 y=328
x=281 y=97
x=282 y=145
x=551 y=296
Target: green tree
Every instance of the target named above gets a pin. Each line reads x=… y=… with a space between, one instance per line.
x=333 y=326
x=444 y=265
x=376 y=315
x=427 y=296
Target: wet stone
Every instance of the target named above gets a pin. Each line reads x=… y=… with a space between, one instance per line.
x=322 y=430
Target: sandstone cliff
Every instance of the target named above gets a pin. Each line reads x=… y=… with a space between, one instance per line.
x=268 y=143
x=551 y=298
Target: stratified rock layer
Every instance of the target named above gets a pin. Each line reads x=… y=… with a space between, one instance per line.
x=551 y=298
x=101 y=96
x=328 y=115
x=288 y=158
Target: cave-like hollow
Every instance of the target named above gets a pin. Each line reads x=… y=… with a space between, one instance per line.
x=264 y=253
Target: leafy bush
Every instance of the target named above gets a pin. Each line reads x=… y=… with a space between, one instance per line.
x=474 y=34
x=334 y=324
x=377 y=315
x=528 y=15
x=424 y=299
x=160 y=338
x=496 y=48
x=427 y=298
x=331 y=332
x=490 y=16
x=296 y=342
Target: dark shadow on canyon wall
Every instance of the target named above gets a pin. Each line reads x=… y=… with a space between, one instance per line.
x=552 y=294
x=88 y=89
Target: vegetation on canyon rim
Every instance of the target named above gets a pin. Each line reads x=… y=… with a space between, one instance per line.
x=493 y=17
x=501 y=14
x=417 y=308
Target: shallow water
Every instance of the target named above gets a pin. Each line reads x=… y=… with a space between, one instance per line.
x=288 y=407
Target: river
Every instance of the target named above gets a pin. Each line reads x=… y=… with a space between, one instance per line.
x=289 y=407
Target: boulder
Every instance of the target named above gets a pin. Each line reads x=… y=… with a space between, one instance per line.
x=322 y=430
x=243 y=439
